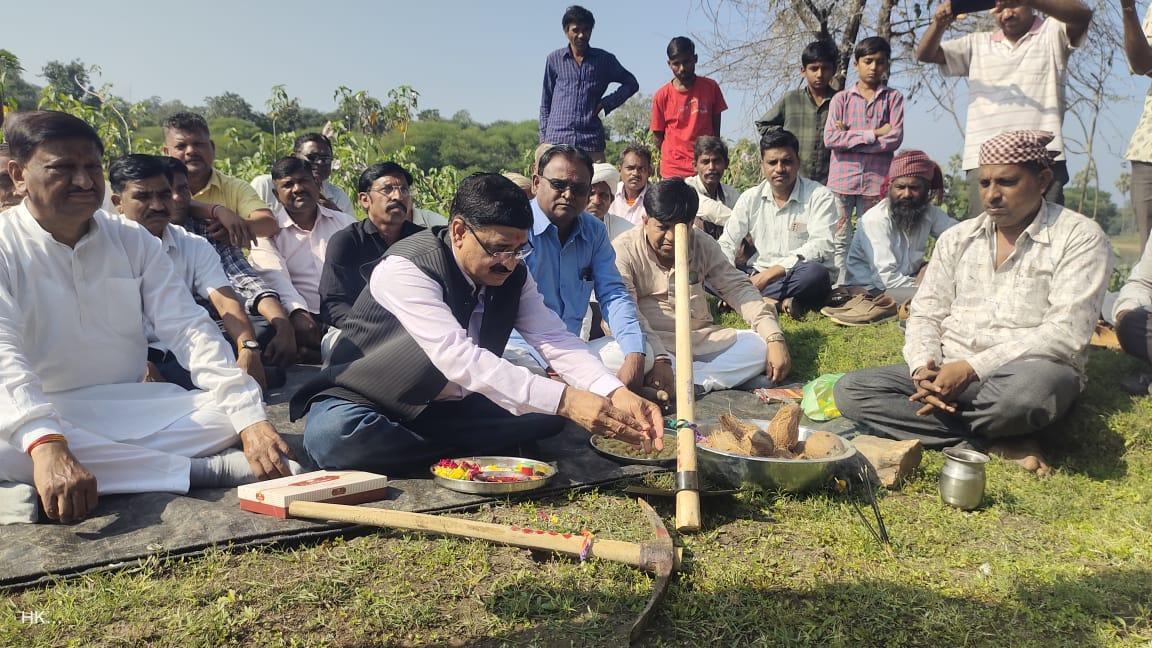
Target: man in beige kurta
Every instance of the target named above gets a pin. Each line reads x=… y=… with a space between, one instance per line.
x=722 y=357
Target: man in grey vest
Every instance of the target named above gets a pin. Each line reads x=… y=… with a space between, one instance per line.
x=417 y=374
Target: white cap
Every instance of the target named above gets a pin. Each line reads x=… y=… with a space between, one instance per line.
x=604 y=172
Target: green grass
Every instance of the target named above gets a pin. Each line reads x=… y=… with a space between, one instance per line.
x=1063 y=561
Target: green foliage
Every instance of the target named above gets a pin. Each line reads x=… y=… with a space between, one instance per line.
x=72 y=79
x=114 y=120
x=1097 y=205
x=228 y=104
x=743 y=164
x=955 y=189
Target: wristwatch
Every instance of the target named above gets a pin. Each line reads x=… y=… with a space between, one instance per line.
x=251 y=345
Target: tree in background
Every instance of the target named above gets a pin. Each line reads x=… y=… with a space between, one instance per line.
x=72 y=79
x=10 y=68
x=228 y=104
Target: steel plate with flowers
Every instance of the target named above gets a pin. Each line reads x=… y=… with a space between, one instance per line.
x=492 y=475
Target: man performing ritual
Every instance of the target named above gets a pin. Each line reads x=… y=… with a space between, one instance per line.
x=791 y=220
x=722 y=357
x=417 y=374
x=886 y=258
x=143 y=194
x=78 y=291
x=995 y=340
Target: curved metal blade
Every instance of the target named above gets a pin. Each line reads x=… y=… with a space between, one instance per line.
x=660 y=557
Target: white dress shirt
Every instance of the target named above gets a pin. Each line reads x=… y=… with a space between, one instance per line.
x=883 y=256
x=801 y=228
x=1042 y=302
x=292 y=260
x=417 y=301
x=72 y=335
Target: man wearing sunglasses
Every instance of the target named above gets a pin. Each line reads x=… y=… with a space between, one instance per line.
x=316 y=150
x=573 y=258
x=417 y=373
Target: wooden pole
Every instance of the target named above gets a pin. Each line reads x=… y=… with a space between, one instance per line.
x=629 y=553
x=687 y=499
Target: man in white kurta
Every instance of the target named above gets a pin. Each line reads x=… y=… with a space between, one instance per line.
x=77 y=294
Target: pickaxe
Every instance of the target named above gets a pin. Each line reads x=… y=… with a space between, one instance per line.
x=657 y=555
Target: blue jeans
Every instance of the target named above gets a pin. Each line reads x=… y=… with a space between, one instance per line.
x=342 y=435
x=807 y=283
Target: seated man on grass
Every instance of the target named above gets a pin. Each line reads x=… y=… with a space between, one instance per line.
x=316 y=150
x=292 y=259
x=142 y=193
x=886 y=258
x=79 y=291
x=722 y=357
x=791 y=221
x=1132 y=314
x=417 y=374
x=994 y=350
x=710 y=156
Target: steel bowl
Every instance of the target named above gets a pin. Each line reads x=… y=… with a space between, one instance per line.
x=497 y=488
x=769 y=473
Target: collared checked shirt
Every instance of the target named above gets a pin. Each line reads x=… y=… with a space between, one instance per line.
x=860 y=160
x=801 y=228
x=245 y=280
x=798 y=113
x=572 y=93
x=1042 y=302
x=566 y=275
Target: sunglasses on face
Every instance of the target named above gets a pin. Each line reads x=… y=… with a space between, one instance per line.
x=578 y=189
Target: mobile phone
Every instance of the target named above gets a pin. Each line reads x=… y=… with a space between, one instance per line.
x=971 y=6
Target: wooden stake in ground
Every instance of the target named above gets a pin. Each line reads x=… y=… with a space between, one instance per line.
x=687 y=482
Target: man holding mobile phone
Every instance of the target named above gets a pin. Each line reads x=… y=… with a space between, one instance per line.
x=1016 y=74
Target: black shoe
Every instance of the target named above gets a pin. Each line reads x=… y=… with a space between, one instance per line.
x=1137 y=384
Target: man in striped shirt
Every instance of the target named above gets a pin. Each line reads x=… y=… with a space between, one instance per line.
x=1015 y=75
x=575 y=78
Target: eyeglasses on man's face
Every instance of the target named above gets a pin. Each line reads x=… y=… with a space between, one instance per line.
x=318 y=158
x=389 y=189
x=503 y=256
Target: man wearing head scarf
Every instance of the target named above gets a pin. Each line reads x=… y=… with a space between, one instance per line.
x=886 y=259
x=995 y=341
x=605 y=177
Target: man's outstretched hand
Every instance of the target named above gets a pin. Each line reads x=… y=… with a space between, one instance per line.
x=623 y=415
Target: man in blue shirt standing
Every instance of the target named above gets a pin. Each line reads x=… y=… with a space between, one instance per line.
x=575 y=78
x=572 y=256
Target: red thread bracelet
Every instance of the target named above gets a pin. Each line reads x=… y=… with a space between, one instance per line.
x=48 y=438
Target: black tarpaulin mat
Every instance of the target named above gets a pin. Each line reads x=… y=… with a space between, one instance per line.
x=128 y=528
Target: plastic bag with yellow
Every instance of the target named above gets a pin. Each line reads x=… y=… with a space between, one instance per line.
x=818 y=402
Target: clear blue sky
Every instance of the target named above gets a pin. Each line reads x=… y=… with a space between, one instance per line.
x=483 y=57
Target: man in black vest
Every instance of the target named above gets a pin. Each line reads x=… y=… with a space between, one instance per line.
x=417 y=374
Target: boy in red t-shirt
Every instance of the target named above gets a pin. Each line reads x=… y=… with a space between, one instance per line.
x=683 y=109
